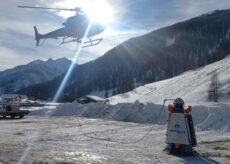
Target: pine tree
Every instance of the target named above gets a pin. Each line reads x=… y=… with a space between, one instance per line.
x=114 y=92
x=106 y=94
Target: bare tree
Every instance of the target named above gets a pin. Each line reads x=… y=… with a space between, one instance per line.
x=213 y=88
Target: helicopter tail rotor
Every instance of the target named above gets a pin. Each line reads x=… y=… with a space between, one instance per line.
x=37 y=36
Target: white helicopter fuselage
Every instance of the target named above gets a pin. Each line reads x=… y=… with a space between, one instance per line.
x=76 y=27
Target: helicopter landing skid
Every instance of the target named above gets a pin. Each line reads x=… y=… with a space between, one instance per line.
x=91 y=42
x=84 y=44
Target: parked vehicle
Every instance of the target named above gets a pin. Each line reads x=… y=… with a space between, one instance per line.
x=11 y=110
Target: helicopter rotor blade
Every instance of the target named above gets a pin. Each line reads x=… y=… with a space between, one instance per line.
x=78 y=9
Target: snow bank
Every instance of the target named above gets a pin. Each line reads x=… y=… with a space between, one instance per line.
x=212 y=117
x=132 y=112
x=143 y=104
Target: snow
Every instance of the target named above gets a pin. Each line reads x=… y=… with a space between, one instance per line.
x=209 y=117
x=96 y=98
x=61 y=140
x=58 y=133
x=144 y=104
x=192 y=86
x=170 y=41
x=102 y=93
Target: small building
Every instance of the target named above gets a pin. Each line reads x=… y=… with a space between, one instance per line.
x=91 y=98
x=13 y=98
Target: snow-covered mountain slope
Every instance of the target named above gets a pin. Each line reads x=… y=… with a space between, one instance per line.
x=38 y=71
x=160 y=54
x=192 y=86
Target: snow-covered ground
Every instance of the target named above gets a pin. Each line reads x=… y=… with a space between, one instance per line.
x=192 y=86
x=38 y=139
x=99 y=133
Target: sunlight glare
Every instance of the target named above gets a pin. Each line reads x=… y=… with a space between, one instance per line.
x=97 y=10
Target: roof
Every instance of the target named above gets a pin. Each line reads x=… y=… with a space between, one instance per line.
x=96 y=98
x=90 y=98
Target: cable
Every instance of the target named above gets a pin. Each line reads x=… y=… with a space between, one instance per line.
x=122 y=142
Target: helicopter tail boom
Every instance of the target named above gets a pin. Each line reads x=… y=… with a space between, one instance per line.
x=37 y=36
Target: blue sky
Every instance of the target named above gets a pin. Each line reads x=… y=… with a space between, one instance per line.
x=131 y=18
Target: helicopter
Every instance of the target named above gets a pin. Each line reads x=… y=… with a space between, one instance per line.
x=76 y=28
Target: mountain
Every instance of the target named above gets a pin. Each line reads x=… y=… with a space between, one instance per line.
x=195 y=87
x=12 y=80
x=158 y=55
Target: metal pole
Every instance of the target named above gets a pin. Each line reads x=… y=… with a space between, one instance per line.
x=76 y=69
